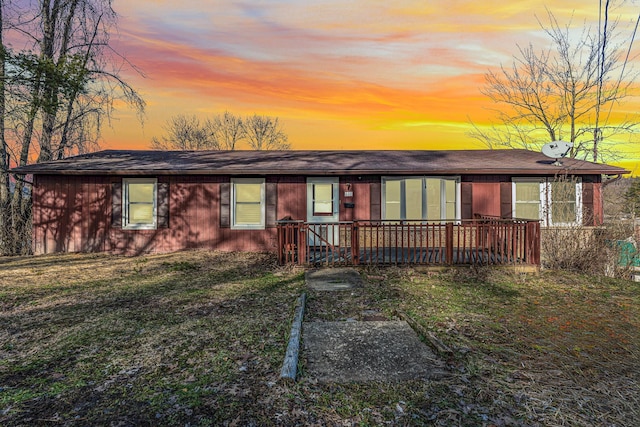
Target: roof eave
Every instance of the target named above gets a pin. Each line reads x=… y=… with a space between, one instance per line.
x=348 y=172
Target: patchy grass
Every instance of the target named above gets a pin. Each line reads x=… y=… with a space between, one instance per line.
x=199 y=337
x=552 y=349
x=187 y=337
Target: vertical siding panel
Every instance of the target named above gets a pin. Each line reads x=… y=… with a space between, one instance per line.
x=194 y=207
x=212 y=210
x=50 y=220
x=45 y=187
x=99 y=212
x=60 y=223
x=36 y=245
x=42 y=189
x=485 y=198
x=74 y=215
x=362 y=201
x=344 y=213
x=598 y=210
x=196 y=213
x=93 y=219
x=588 y=214
x=189 y=214
x=177 y=215
x=86 y=216
x=592 y=206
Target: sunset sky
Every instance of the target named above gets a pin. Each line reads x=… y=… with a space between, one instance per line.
x=402 y=74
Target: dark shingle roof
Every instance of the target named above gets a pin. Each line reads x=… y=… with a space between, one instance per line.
x=390 y=162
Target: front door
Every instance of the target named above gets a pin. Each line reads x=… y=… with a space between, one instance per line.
x=323 y=208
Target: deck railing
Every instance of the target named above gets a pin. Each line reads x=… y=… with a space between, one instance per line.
x=483 y=240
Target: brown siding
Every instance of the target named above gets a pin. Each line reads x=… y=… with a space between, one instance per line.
x=292 y=198
x=346 y=214
x=363 y=196
x=486 y=198
x=365 y=189
x=592 y=204
x=598 y=204
x=75 y=214
x=486 y=194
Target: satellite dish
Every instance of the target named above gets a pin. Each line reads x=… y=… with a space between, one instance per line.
x=557 y=150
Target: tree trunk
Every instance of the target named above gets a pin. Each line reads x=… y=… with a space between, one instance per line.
x=5 y=223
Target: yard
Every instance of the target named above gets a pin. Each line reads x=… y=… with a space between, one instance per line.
x=198 y=338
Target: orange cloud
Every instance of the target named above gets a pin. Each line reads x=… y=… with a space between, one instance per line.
x=339 y=74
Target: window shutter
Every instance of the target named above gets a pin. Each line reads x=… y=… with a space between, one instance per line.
x=116 y=204
x=272 y=202
x=466 y=200
x=163 y=205
x=376 y=197
x=506 y=206
x=225 y=204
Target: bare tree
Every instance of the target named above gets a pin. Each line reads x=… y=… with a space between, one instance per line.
x=265 y=133
x=186 y=133
x=225 y=131
x=563 y=93
x=228 y=129
x=56 y=92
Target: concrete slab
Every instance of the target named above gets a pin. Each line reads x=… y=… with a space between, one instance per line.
x=332 y=279
x=367 y=351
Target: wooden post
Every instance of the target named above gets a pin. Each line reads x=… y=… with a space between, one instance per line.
x=290 y=364
x=355 y=247
x=280 y=244
x=449 y=243
x=533 y=242
x=302 y=243
x=536 y=248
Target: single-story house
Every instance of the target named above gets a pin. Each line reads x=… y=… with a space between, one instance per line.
x=160 y=201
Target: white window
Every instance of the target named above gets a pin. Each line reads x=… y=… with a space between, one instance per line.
x=555 y=202
x=420 y=198
x=139 y=203
x=248 y=203
x=322 y=199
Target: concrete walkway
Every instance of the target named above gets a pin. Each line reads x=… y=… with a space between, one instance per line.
x=353 y=351
x=332 y=279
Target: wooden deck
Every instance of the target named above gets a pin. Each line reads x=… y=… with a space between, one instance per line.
x=481 y=241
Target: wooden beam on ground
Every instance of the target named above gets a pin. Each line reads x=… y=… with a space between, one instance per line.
x=290 y=364
x=440 y=347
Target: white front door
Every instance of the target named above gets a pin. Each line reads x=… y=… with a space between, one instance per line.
x=323 y=207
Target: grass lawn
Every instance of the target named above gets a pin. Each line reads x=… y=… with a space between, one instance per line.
x=198 y=338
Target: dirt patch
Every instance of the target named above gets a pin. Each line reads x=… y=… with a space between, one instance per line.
x=367 y=351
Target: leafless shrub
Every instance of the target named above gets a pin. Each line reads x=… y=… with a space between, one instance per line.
x=583 y=248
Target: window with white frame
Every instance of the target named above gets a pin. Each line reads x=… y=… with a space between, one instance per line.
x=139 y=203
x=248 y=203
x=420 y=198
x=555 y=202
x=322 y=199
